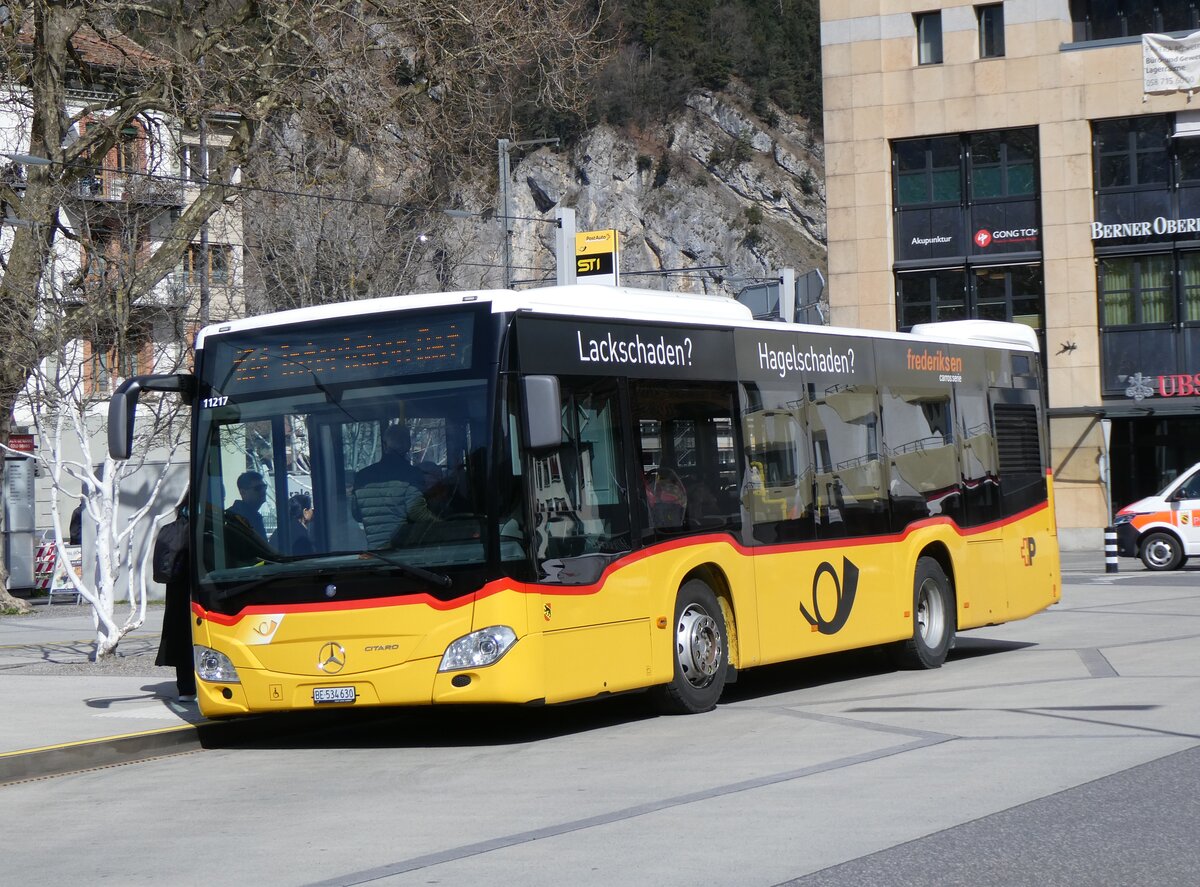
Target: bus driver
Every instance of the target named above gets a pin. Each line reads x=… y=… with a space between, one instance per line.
x=387 y=496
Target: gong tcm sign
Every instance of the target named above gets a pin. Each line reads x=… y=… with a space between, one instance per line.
x=596 y=257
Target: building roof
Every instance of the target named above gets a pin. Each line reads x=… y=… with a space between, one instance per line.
x=113 y=51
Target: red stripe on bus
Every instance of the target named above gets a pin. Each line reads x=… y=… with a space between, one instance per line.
x=497 y=586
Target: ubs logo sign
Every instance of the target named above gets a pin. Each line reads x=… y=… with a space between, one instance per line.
x=844 y=589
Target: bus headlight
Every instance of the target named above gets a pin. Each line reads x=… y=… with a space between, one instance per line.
x=214 y=666
x=479 y=648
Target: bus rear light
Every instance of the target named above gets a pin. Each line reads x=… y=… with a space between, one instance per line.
x=479 y=648
x=214 y=666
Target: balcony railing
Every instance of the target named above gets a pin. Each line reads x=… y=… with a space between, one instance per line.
x=170 y=292
x=141 y=189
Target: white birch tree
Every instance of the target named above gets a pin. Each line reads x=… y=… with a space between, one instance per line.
x=442 y=82
x=69 y=411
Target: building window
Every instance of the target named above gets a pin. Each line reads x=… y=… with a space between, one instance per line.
x=1113 y=19
x=129 y=156
x=928 y=171
x=974 y=194
x=219 y=264
x=1137 y=290
x=991 y=30
x=1189 y=282
x=197 y=166
x=1187 y=160
x=1012 y=293
x=1131 y=152
x=1003 y=164
x=928 y=296
x=929 y=37
x=106 y=363
x=1008 y=293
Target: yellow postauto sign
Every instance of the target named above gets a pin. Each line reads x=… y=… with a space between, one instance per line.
x=596 y=257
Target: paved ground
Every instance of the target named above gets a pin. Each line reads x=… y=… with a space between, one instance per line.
x=63 y=712
x=1063 y=749
x=70 y=711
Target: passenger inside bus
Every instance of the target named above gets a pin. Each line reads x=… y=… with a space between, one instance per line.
x=667 y=498
x=387 y=496
x=293 y=536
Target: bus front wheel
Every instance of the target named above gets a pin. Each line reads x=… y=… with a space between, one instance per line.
x=700 y=652
x=933 y=619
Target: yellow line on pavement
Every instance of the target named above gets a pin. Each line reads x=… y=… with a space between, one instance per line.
x=85 y=742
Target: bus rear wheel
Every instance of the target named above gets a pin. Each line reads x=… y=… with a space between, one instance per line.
x=1162 y=551
x=933 y=619
x=700 y=652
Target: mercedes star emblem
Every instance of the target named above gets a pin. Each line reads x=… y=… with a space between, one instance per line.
x=332 y=658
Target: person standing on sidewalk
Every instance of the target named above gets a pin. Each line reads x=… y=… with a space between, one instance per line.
x=75 y=529
x=171 y=568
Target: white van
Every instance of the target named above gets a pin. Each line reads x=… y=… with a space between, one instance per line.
x=1163 y=529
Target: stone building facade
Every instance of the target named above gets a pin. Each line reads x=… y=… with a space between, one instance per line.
x=1004 y=160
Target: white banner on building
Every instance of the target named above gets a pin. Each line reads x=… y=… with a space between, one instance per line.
x=1169 y=64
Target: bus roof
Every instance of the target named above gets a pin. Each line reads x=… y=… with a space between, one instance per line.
x=625 y=303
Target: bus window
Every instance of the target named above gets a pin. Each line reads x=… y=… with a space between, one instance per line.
x=778 y=491
x=581 y=510
x=687 y=453
x=296 y=530
x=980 y=469
x=513 y=514
x=851 y=499
x=918 y=425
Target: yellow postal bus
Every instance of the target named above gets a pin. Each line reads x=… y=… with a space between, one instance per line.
x=557 y=494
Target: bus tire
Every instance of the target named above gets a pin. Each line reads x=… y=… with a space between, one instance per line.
x=933 y=619
x=699 y=653
x=1162 y=551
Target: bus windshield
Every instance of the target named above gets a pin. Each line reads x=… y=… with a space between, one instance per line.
x=355 y=447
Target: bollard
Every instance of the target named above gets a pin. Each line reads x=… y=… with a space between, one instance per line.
x=1110 y=549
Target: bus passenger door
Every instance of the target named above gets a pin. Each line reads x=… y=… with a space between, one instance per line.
x=981 y=587
x=780 y=513
x=595 y=623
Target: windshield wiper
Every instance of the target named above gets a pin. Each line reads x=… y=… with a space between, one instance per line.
x=228 y=594
x=441 y=580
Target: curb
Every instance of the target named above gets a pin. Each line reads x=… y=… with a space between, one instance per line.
x=88 y=754
x=128 y=748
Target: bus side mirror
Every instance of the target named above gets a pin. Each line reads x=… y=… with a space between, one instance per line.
x=123 y=405
x=543 y=414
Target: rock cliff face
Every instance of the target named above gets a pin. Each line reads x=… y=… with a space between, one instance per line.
x=719 y=188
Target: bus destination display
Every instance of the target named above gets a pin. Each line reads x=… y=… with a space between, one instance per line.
x=298 y=358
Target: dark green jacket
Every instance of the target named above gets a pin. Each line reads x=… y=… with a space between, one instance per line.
x=386 y=499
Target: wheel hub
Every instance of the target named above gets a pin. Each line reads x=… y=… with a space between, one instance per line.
x=930 y=619
x=1159 y=552
x=698 y=646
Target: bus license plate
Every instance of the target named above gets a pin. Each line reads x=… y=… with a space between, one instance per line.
x=333 y=694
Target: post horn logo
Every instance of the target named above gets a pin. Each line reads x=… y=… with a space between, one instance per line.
x=332 y=658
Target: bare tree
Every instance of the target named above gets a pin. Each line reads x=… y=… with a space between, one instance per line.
x=436 y=74
x=67 y=397
x=353 y=182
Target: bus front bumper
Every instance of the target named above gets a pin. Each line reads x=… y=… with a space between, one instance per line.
x=515 y=678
